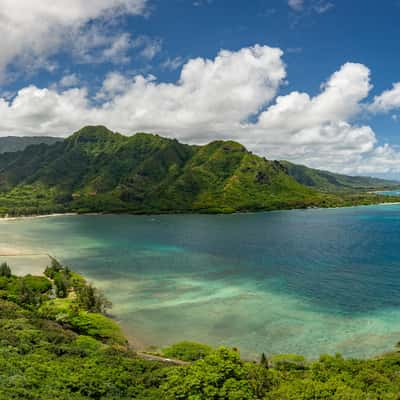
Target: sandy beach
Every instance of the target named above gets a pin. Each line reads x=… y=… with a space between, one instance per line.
x=36 y=216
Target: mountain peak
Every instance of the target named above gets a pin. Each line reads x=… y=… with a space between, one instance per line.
x=92 y=133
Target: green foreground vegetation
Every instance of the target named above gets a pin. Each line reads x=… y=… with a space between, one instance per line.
x=56 y=342
x=96 y=170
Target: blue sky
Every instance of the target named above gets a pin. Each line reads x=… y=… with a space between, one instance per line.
x=314 y=80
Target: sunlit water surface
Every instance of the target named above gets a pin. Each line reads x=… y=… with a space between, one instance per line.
x=305 y=281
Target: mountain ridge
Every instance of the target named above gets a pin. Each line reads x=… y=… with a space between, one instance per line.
x=97 y=170
x=11 y=144
x=332 y=182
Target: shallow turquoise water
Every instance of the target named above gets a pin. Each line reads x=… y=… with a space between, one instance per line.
x=304 y=281
x=390 y=193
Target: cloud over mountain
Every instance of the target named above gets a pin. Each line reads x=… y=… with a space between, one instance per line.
x=233 y=96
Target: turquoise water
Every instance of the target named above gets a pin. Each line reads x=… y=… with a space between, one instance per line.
x=303 y=281
x=390 y=193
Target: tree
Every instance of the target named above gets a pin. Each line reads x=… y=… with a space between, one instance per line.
x=26 y=294
x=55 y=267
x=61 y=286
x=219 y=376
x=92 y=299
x=264 y=361
x=5 y=270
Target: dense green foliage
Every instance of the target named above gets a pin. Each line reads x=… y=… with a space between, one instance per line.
x=54 y=348
x=18 y=143
x=223 y=375
x=62 y=351
x=187 y=351
x=43 y=360
x=96 y=170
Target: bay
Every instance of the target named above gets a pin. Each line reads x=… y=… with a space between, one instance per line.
x=303 y=281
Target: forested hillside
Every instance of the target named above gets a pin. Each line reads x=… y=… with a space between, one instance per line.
x=96 y=170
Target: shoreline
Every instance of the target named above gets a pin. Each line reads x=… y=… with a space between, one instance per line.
x=37 y=216
x=71 y=214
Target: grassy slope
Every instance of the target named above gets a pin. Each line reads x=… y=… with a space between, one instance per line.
x=96 y=170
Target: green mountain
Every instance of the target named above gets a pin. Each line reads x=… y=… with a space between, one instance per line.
x=17 y=143
x=96 y=170
x=330 y=182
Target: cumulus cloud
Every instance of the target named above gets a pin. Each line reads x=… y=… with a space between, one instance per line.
x=210 y=97
x=34 y=29
x=319 y=122
x=233 y=96
x=388 y=100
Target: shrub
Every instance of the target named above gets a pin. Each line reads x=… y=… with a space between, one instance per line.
x=187 y=351
x=288 y=362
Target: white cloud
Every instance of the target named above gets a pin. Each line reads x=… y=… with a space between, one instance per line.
x=310 y=6
x=172 y=63
x=211 y=96
x=34 y=29
x=322 y=7
x=388 y=100
x=315 y=130
x=339 y=100
x=114 y=84
x=230 y=97
x=149 y=47
x=69 y=80
x=117 y=51
x=296 y=5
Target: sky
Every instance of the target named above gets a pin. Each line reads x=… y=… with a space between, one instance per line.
x=316 y=82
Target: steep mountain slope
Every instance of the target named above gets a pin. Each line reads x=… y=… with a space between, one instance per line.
x=96 y=170
x=330 y=182
x=16 y=143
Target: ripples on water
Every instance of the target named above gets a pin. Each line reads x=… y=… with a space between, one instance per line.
x=305 y=281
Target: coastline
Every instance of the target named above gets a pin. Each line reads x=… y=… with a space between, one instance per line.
x=177 y=212
x=37 y=216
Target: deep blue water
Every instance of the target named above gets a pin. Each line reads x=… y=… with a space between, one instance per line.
x=305 y=281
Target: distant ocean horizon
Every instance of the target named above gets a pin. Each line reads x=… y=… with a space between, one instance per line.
x=303 y=281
